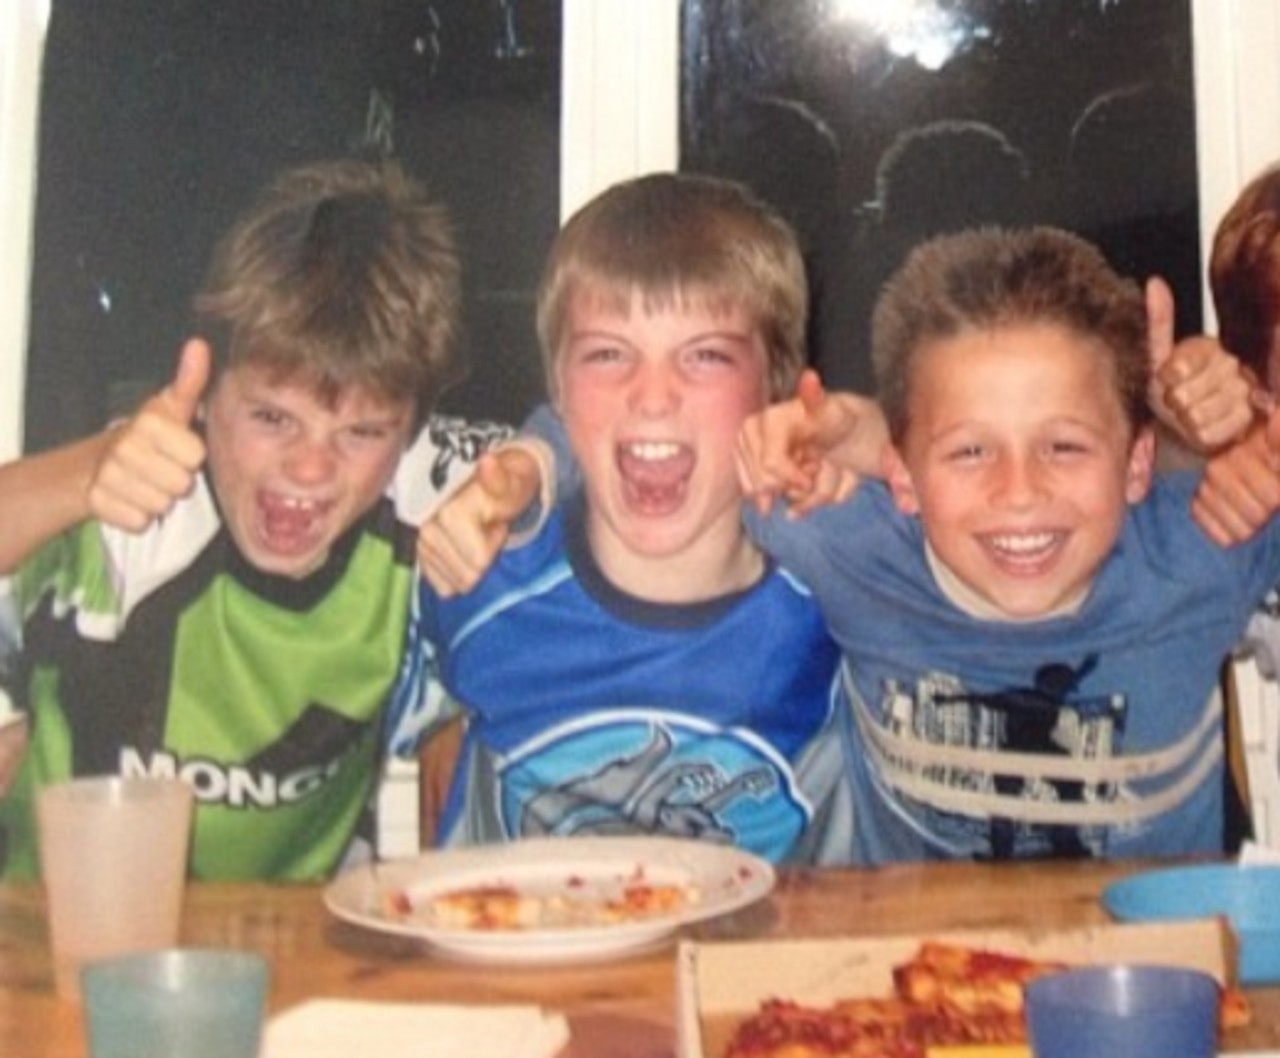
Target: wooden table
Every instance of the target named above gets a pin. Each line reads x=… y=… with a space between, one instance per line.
x=621 y=1009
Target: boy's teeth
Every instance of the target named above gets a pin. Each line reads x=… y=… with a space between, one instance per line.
x=1023 y=544
x=296 y=504
x=653 y=450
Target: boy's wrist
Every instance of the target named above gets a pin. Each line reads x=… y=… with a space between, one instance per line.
x=862 y=435
x=531 y=521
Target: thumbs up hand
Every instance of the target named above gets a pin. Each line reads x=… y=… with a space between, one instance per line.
x=1240 y=489
x=152 y=459
x=1198 y=389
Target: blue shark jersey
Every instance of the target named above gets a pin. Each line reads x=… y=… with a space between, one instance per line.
x=592 y=712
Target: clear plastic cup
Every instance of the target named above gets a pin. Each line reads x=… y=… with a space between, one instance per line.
x=113 y=855
x=179 y=1003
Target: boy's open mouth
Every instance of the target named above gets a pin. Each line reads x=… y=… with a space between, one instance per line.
x=1024 y=554
x=655 y=475
x=290 y=525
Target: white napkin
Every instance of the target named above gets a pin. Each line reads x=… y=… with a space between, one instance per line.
x=339 y=1028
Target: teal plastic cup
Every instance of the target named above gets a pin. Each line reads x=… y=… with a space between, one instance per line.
x=1123 y=1011
x=176 y=1003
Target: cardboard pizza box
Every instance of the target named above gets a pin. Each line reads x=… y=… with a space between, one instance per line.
x=719 y=983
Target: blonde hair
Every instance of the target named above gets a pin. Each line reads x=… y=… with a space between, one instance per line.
x=989 y=278
x=343 y=274
x=676 y=238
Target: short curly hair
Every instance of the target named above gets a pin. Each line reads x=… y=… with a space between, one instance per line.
x=993 y=277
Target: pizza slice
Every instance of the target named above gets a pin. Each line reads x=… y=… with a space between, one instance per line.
x=1233 y=1009
x=486 y=907
x=973 y=982
x=573 y=904
x=641 y=900
x=864 y=1028
x=945 y=996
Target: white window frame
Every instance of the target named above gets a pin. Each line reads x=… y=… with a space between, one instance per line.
x=22 y=30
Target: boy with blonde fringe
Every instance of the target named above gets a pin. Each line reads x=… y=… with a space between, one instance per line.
x=639 y=667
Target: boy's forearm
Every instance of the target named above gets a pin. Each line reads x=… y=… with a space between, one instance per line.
x=43 y=495
x=858 y=434
x=544 y=437
x=534 y=478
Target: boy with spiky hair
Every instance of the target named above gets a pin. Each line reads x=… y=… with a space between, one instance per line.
x=245 y=634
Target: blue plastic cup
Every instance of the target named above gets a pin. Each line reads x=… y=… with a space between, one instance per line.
x=1123 y=1012
x=176 y=1003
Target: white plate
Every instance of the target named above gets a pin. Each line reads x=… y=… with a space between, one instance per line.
x=722 y=879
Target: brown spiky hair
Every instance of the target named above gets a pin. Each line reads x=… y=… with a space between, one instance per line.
x=989 y=278
x=344 y=274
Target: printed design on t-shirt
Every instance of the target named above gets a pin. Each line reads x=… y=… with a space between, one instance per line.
x=649 y=776
x=293 y=768
x=1270 y=605
x=1050 y=718
x=459 y=441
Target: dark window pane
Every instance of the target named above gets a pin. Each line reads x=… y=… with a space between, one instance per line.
x=160 y=119
x=871 y=131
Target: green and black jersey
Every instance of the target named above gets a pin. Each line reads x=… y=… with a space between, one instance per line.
x=166 y=653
